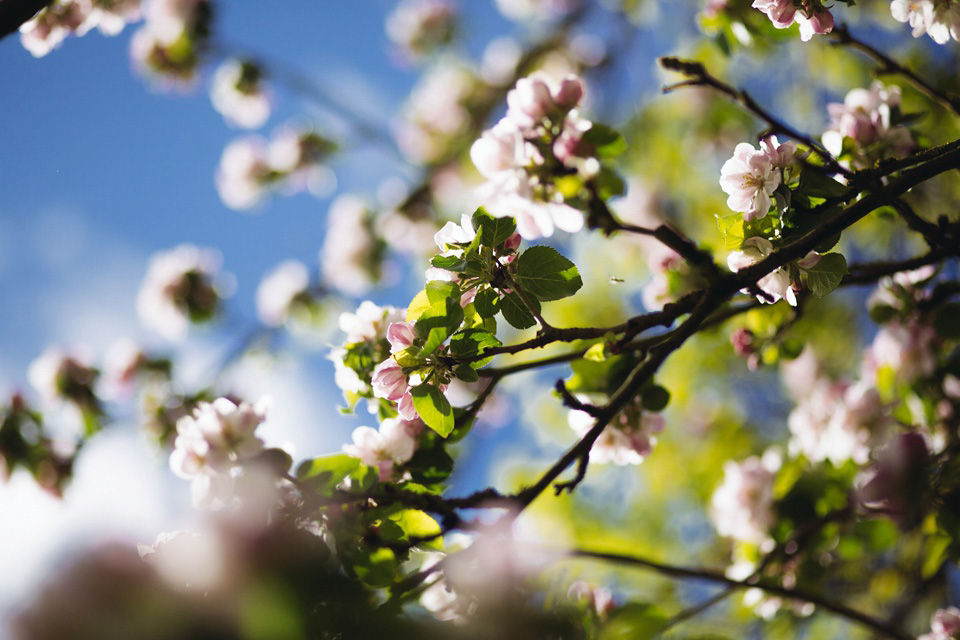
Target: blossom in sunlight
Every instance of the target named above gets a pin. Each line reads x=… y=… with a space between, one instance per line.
x=435 y=114
x=944 y=625
x=243 y=173
x=179 y=288
x=810 y=15
x=543 y=127
x=212 y=444
x=742 y=506
x=776 y=284
x=939 y=19
x=45 y=31
x=400 y=335
x=280 y=290
x=393 y=444
x=749 y=178
x=237 y=92
x=419 y=27
x=369 y=322
x=351 y=255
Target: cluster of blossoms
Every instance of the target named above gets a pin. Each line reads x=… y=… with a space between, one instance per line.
x=628 y=439
x=419 y=27
x=865 y=127
x=238 y=94
x=389 y=380
x=386 y=448
x=944 y=625
x=46 y=30
x=180 y=287
x=290 y=161
x=436 y=113
x=60 y=376
x=365 y=345
x=742 y=506
x=939 y=19
x=810 y=15
x=167 y=48
x=540 y=138
x=212 y=446
x=352 y=254
x=281 y=290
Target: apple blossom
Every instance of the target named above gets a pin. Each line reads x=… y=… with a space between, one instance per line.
x=628 y=439
x=749 y=178
x=435 y=113
x=369 y=322
x=777 y=284
x=351 y=254
x=179 y=288
x=742 y=507
x=212 y=444
x=236 y=91
x=810 y=15
x=389 y=381
x=57 y=375
x=866 y=117
x=400 y=335
x=524 y=10
x=939 y=19
x=419 y=27
x=386 y=448
x=944 y=625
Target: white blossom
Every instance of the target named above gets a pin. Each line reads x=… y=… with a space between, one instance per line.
x=628 y=439
x=394 y=443
x=236 y=91
x=179 y=287
x=939 y=19
x=279 y=290
x=749 y=178
x=434 y=115
x=420 y=26
x=369 y=322
x=742 y=507
x=349 y=259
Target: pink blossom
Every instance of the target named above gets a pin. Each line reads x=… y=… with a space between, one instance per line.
x=749 y=178
x=400 y=335
x=389 y=381
x=390 y=445
x=944 y=625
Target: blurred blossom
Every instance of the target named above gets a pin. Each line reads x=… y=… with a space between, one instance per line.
x=386 y=448
x=908 y=348
x=535 y=10
x=180 y=287
x=628 y=439
x=939 y=19
x=280 y=290
x=369 y=322
x=944 y=625
x=237 y=92
x=435 y=113
x=351 y=256
x=167 y=48
x=499 y=62
x=896 y=482
x=243 y=173
x=598 y=598
x=419 y=27
x=187 y=560
x=742 y=507
x=59 y=376
x=867 y=118
x=52 y=24
x=901 y=291
x=211 y=446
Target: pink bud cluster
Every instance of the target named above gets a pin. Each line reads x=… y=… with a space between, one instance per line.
x=540 y=137
x=865 y=118
x=290 y=161
x=810 y=15
x=45 y=31
x=213 y=444
x=939 y=19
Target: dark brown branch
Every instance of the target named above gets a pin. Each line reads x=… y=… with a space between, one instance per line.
x=712 y=575
x=888 y=65
x=13 y=13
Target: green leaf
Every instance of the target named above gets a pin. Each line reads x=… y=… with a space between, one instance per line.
x=418 y=305
x=826 y=275
x=731 y=228
x=434 y=409
x=631 y=621
x=487 y=303
x=473 y=342
x=516 y=313
x=607 y=141
x=544 y=273
x=438 y=290
x=819 y=185
x=417 y=524
x=493 y=232
x=324 y=474
x=437 y=323
x=430 y=464
x=609 y=183
x=378 y=568
x=466 y=373
x=654 y=398
x=449 y=263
